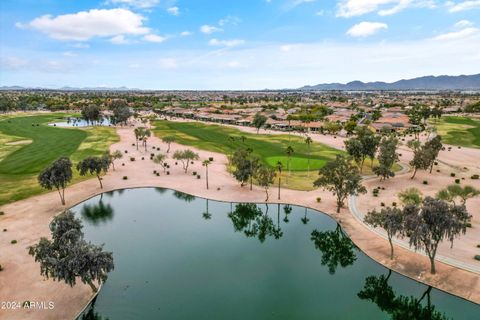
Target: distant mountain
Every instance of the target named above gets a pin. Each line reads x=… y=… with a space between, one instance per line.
x=462 y=82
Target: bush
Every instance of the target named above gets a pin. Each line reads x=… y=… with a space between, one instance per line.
x=2 y=213
x=382 y=204
x=198 y=176
x=452 y=174
x=125 y=178
x=126 y=151
x=475 y=177
x=123 y=164
x=154 y=171
x=477 y=257
x=435 y=163
x=13 y=241
x=210 y=159
x=133 y=144
x=168 y=173
x=176 y=163
x=158 y=149
x=478 y=245
x=194 y=173
x=158 y=174
x=132 y=158
x=1 y=269
x=218 y=189
x=152 y=154
x=457 y=181
x=438 y=170
x=425 y=182
x=394 y=204
x=469 y=225
x=319 y=199
x=191 y=162
x=4 y=230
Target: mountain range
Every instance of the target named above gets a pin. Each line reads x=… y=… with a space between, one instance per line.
x=462 y=82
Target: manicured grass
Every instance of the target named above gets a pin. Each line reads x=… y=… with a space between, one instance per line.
x=270 y=148
x=25 y=150
x=459 y=131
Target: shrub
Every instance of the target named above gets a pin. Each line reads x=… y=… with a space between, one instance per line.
x=394 y=204
x=191 y=162
x=123 y=164
x=1 y=269
x=158 y=174
x=218 y=189
x=13 y=241
x=152 y=154
x=435 y=163
x=176 y=163
x=438 y=170
x=469 y=225
x=143 y=158
x=382 y=204
x=210 y=158
x=4 y=230
x=198 y=176
x=168 y=173
x=425 y=182
x=154 y=171
x=126 y=151
x=478 y=245
x=194 y=173
x=477 y=257
x=132 y=158
x=125 y=178
x=2 y=213
x=475 y=177
x=158 y=149
x=133 y=144
x=457 y=181
x=452 y=174
x=319 y=199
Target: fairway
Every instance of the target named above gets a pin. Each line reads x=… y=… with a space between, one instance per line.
x=270 y=148
x=459 y=131
x=28 y=145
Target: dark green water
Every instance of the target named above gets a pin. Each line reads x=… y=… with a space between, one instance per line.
x=176 y=258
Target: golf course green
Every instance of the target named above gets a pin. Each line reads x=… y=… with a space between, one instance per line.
x=28 y=144
x=459 y=131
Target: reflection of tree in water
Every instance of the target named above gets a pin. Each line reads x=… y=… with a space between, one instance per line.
x=249 y=219
x=287 y=209
x=304 y=219
x=207 y=215
x=91 y=314
x=97 y=213
x=400 y=307
x=161 y=190
x=183 y=196
x=336 y=247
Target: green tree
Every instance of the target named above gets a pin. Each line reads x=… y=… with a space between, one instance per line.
x=432 y=222
x=264 y=176
x=433 y=146
x=354 y=148
x=422 y=159
x=206 y=163
x=185 y=156
x=389 y=219
x=91 y=113
x=168 y=140
x=341 y=178
x=411 y=196
x=57 y=176
x=308 y=141
x=387 y=157
x=121 y=111
x=451 y=192
x=115 y=155
x=289 y=151
x=94 y=165
x=279 y=168
x=259 y=121
x=160 y=159
x=68 y=256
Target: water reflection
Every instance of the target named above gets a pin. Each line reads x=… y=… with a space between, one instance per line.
x=399 y=307
x=97 y=213
x=206 y=214
x=337 y=249
x=249 y=219
x=91 y=313
x=183 y=196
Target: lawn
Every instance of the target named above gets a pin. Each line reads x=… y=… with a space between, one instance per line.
x=28 y=144
x=270 y=148
x=459 y=131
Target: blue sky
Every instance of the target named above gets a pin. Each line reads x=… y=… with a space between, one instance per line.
x=249 y=44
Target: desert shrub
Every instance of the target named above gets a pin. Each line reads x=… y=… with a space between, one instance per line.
x=425 y=182
x=132 y=158
x=126 y=151
x=168 y=173
x=394 y=204
x=477 y=257
x=210 y=159
x=475 y=177
x=125 y=178
x=13 y=241
x=143 y=158
x=198 y=176
x=452 y=174
x=382 y=204
x=457 y=181
x=2 y=213
x=319 y=199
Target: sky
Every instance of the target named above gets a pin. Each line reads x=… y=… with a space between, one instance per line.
x=234 y=44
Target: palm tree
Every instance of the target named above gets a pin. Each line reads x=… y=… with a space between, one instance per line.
x=279 y=168
x=145 y=134
x=289 y=153
x=207 y=215
x=205 y=163
x=137 y=133
x=159 y=159
x=308 y=141
x=304 y=218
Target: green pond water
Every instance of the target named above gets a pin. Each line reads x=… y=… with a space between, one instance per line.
x=181 y=257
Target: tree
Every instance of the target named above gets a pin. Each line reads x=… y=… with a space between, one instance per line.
x=141 y=134
x=137 y=132
x=168 y=140
x=91 y=113
x=94 y=165
x=57 y=176
x=206 y=163
x=433 y=146
x=254 y=162
x=264 y=176
x=121 y=111
x=279 y=168
x=341 y=178
x=259 y=121
x=432 y=222
x=411 y=196
x=332 y=127
x=387 y=157
x=336 y=247
x=185 y=156
x=354 y=148
x=421 y=160
x=308 y=141
x=363 y=146
x=289 y=151
x=350 y=126
x=68 y=256
x=244 y=168
x=451 y=192
x=389 y=219
x=115 y=155
x=159 y=159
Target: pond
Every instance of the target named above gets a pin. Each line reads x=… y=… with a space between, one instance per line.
x=78 y=122
x=181 y=257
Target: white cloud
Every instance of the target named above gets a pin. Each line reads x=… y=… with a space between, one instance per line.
x=120 y=39
x=174 y=11
x=226 y=43
x=81 y=45
x=456 y=35
x=143 y=4
x=167 y=63
x=186 y=33
x=12 y=63
x=352 y=8
x=463 y=24
x=154 y=38
x=464 y=5
x=84 y=25
x=208 y=29
x=291 y=4
x=320 y=13
x=365 y=29
x=69 y=54
x=229 y=20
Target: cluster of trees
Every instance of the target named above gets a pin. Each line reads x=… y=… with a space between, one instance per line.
x=120 y=112
x=424 y=156
x=142 y=134
x=426 y=222
x=91 y=113
x=186 y=157
x=363 y=146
